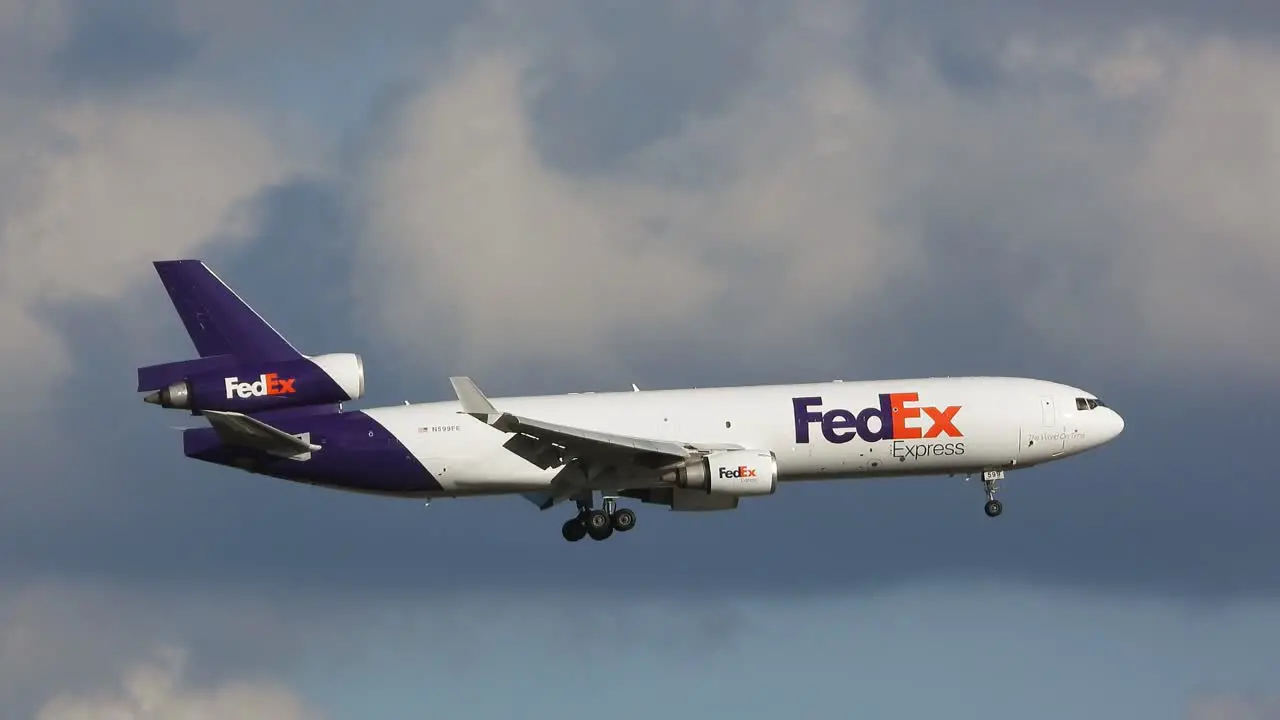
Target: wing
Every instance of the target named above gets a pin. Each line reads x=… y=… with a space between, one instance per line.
x=548 y=444
x=239 y=429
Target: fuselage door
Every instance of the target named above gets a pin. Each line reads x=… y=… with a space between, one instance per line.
x=1046 y=441
x=1048 y=418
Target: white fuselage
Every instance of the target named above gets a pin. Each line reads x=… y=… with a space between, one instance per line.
x=950 y=426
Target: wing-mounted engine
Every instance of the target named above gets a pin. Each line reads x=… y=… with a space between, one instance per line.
x=714 y=481
x=228 y=384
x=728 y=473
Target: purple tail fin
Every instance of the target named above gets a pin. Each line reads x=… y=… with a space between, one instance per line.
x=218 y=321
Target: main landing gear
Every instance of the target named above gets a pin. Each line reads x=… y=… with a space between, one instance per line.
x=599 y=524
x=990 y=482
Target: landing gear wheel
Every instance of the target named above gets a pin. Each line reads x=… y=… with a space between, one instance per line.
x=598 y=525
x=991 y=483
x=624 y=520
x=574 y=530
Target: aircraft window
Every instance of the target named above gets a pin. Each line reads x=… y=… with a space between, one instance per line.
x=1081 y=404
x=1088 y=404
x=1093 y=404
x=1100 y=403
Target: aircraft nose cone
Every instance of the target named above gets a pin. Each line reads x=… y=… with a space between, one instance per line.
x=1115 y=425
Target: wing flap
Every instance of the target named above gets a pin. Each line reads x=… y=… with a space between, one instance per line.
x=598 y=444
x=238 y=429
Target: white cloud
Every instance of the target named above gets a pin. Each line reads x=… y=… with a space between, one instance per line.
x=158 y=651
x=471 y=228
x=130 y=183
x=466 y=215
x=1235 y=707
x=86 y=651
x=68 y=640
x=98 y=189
x=1153 y=160
x=1139 y=168
x=31 y=29
x=1207 y=192
x=156 y=690
x=1136 y=169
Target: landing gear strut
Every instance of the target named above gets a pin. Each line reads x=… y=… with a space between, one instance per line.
x=990 y=481
x=598 y=524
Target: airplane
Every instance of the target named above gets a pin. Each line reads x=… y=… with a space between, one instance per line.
x=275 y=411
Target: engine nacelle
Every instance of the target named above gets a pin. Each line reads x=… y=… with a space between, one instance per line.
x=731 y=473
x=260 y=386
x=681 y=500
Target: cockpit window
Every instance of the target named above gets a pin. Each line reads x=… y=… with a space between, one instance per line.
x=1082 y=404
x=1088 y=403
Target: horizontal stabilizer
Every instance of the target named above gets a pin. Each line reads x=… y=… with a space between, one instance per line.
x=238 y=429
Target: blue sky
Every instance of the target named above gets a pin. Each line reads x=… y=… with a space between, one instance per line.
x=560 y=195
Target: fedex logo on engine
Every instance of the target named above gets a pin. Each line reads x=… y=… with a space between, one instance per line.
x=894 y=419
x=742 y=471
x=268 y=384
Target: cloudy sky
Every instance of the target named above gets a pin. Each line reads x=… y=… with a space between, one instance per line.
x=559 y=195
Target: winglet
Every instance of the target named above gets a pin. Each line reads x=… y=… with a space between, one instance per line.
x=473 y=401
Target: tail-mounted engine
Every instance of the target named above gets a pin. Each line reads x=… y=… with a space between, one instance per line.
x=259 y=386
x=731 y=473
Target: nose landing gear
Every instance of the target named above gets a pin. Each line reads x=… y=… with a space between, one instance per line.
x=990 y=482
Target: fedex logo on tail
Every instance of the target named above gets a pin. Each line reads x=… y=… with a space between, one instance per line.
x=894 y=418
x=267 y=384
x=742 y=471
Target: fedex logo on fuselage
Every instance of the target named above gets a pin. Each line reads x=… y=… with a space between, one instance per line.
x=896 y=420
x=742 y=471
x=267 y=384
